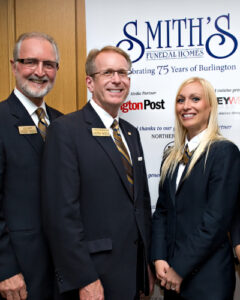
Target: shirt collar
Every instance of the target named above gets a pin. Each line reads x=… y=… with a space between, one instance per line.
x=28 y=104
x=195 y=141
x=106 y=118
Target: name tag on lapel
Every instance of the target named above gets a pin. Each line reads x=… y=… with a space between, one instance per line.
x=27 y=129
x=100 y=132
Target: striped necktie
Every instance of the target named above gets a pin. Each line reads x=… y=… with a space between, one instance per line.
x=42 y=124
x=124 y=153
x=186 y=155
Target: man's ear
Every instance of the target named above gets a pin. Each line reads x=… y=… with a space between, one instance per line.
x=90 y=83
x=13 y=64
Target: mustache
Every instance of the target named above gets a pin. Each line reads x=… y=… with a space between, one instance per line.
x=34 y=77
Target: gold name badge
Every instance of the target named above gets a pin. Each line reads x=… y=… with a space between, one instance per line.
x=27 y=129
x=100 y=132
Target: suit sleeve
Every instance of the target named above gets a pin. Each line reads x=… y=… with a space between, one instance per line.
x=8 y=261
x=62 y=210
x=147 y=201
x=235 y=229
x=159 y=224
x=223 y=187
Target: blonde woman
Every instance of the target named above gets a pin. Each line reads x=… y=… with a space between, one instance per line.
x=197 y=198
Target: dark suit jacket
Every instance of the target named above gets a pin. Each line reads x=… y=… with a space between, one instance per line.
x=93 y=225
x=235 y=230
x=190 y=226
x=22 y=244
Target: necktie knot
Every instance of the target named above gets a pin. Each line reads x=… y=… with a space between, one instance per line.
x=115 y=125
x=186 y=155
x=41 y=114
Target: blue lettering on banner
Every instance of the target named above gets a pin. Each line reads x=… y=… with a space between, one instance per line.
x=222 y=35
x=167 y=69
x=161 y=42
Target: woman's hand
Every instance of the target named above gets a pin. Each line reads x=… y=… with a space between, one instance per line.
x=167 y=276
x=237 y=251
x=173 y=280
x=161 y=267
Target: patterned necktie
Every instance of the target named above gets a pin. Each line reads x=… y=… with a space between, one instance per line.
x=42 y=124
x=186 y=155
x=124 y=153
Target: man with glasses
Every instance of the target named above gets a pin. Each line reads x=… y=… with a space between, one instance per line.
x=26 y=271
x=96 y=205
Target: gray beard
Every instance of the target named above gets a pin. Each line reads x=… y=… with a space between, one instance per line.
x=36 y=94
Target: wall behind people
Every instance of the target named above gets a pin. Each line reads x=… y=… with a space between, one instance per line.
x=65 y=21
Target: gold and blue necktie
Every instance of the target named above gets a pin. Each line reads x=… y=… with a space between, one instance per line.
x=42 y=124
x=123 y=151
x=186 y=155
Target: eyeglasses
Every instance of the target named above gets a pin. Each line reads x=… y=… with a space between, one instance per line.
x=32 y=63
x=110 y=73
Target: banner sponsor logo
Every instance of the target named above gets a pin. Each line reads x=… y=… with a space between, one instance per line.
x=180 y=38
x=229 y=100
x=144 y=105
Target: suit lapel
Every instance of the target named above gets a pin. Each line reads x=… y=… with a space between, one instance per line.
x=50 y=113
x=183 y=176
x=186 y=168
x=172 y=184
x=106 y=142
x=22 y=118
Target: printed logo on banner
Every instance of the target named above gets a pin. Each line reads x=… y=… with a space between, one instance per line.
x=169 y=145
x=229 y=100
x=146 y=104
x=180 y=39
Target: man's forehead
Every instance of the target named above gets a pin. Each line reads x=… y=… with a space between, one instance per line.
x=36 y=46
x=110 y=58
x=34 y=40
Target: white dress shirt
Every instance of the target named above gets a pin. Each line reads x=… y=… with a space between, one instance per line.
x=31 y=107
x=107 y=120
x=192 y=145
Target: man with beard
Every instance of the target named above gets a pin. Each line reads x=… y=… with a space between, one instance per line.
x=25 y=266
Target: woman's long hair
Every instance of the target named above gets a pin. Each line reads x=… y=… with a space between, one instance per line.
x=174 y=155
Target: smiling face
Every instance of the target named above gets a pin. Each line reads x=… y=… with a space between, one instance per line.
x=193 y=109
x=109 y=93
x=35 y=83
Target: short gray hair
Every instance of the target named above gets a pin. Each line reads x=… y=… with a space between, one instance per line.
x=38 y=35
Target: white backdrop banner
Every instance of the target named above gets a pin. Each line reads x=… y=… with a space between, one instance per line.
x=168 y=42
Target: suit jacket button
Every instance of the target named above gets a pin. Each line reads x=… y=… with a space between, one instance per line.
x=195 y=271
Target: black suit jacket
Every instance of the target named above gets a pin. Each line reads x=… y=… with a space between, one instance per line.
x=191 y=225
x=22 y=244
x=93 y=225
x=235 y=230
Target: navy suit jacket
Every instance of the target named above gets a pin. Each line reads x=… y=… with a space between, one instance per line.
x=235 y=231
x=22 y=243
x=92 y=222
x=191 y=225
